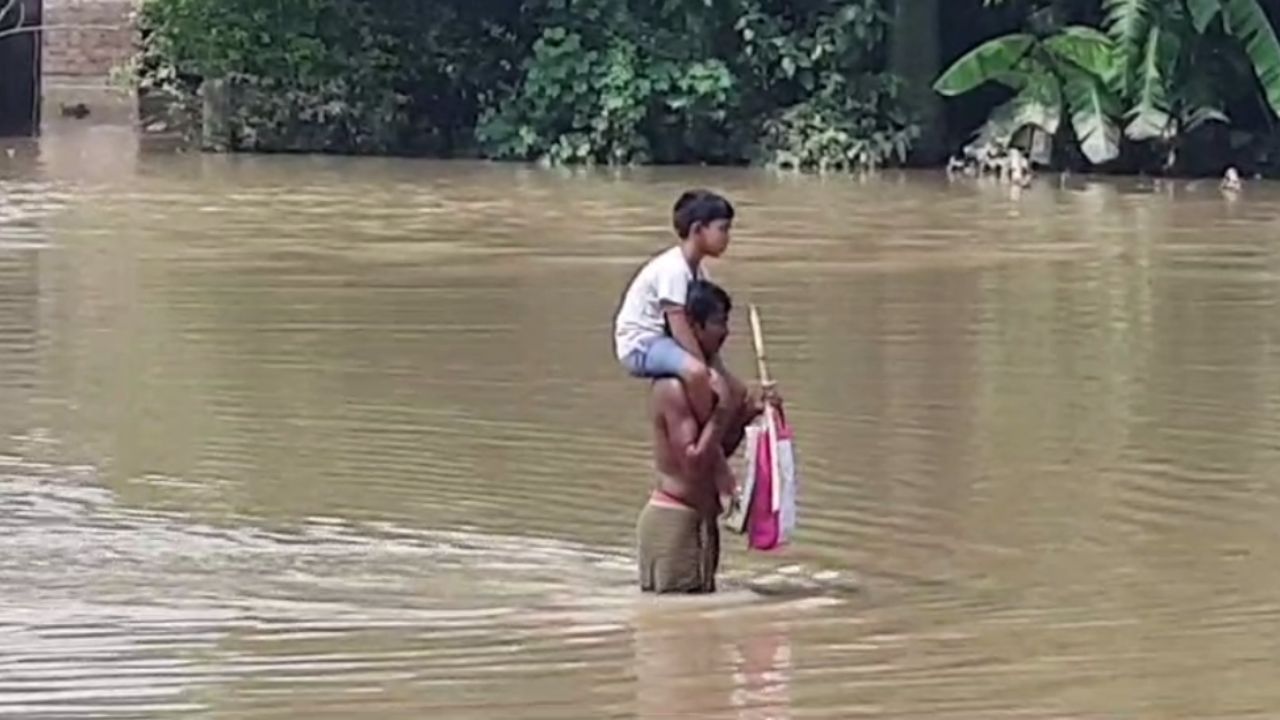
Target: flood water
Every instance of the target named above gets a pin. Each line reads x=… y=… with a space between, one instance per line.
x=333 y=438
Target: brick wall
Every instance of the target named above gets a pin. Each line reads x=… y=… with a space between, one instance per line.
x=88 y=51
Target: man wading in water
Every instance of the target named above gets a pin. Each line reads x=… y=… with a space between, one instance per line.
x=678 y=540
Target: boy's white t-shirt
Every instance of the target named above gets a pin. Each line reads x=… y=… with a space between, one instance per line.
x=664 y=279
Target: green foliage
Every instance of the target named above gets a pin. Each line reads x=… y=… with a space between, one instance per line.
x=799 y=86
x=338 y=75
x=814 y=78
x=562 y=81
x=595 y=98
x=1161 y=71
x=839 y=130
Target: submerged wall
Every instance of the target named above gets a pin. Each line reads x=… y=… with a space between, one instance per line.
x=84 y=42
x=87 y=38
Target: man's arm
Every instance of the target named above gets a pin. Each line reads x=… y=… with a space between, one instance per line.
x=753 y=404
x=695 y=451
x=737 y=430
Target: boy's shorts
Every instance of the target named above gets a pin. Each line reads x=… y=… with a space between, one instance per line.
x=662 y=357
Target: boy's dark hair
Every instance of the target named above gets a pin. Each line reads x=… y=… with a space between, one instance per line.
x=699 y=206
x=706 y=299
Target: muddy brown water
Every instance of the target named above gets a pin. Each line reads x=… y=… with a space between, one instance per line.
x=329 y=438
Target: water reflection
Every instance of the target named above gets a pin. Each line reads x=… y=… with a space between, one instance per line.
x=725 y=658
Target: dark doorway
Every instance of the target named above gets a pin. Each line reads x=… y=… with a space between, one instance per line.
x=20 y=67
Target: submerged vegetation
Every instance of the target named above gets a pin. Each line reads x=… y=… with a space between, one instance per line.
x=1123 y=85
x=787 y=82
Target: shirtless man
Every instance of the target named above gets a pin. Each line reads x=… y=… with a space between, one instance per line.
x=678 y=539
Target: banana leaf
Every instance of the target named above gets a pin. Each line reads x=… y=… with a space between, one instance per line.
x=1150 y=116
x=1038 y=105
x=1088 y=48
x=1093 y=110
x=1248 y=23
x=991 y=61
x=1127 y=22
x=1203 y=12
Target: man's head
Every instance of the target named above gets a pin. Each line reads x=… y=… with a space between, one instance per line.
x=704 y=218
x=707 y=307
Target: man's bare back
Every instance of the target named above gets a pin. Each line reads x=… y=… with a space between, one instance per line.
x=684 y=453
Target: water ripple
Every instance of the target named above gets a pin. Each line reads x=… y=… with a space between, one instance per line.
x=325 y=437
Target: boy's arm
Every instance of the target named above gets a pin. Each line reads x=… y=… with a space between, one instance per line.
x=682 y=331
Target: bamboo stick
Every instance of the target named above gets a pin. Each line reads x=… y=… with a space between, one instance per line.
x=770 y=418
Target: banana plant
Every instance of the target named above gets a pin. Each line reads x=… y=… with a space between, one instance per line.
x=1064 y=74
x=1173 y=59
x=1157 y=71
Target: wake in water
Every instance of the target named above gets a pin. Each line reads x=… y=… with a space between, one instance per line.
x=64 y=515
x=103 y=605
